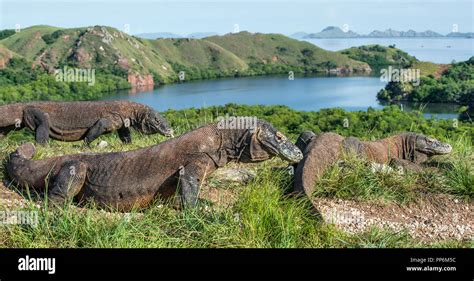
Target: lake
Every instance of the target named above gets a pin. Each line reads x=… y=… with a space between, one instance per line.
x=438 y=50
x=308 y=93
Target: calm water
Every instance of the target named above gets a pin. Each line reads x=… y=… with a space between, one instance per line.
x=303 y=93
x=309 y=93
x=438 y=50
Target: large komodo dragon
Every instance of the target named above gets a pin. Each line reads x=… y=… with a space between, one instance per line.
x=406 y=150
x=124 y=180
x=72 y=121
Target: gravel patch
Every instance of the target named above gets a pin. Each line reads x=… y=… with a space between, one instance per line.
x=431 y=217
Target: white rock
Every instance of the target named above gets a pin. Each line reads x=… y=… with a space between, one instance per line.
x=102 y=144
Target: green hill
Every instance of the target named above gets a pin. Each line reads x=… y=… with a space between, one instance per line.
x=430 y=68
x=29 y=42
x=112 y=51
x=103 y=48
x=277 y=49
x=30 y=57
x=199 y=58
x=5 y=56
x=378 y=56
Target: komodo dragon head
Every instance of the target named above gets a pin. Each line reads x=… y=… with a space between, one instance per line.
x=429 y=146
x=418 y=148
x=152 y=122
x=264 y=141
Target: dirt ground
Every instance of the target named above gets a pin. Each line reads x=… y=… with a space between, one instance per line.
x=11 y=200
x=432 y=217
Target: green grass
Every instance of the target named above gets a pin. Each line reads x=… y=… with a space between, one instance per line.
x=354 y=180
x=428 y=68
x=459 y=172
x=263 y=215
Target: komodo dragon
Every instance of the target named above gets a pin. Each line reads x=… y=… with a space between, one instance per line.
x=406 y=150
x=72 y=121
x=123 y=180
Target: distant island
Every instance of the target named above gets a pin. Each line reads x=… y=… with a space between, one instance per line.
x=336 y=32
x=168 y=35
x=328 y=32
x=156 y=35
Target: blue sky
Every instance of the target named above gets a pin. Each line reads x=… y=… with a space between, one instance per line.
x=186 y=16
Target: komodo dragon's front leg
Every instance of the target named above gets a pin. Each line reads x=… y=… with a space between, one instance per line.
x=100 y=127
x=68 y=182
x=125 y=135
x=105 y=125
x=191 y=178
x=38 y=121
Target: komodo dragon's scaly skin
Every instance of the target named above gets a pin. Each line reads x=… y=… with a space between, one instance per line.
x=406 y=150
x=72 y=121
x=320 y=153
x=124 y=180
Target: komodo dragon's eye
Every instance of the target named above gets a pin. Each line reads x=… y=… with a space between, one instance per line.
x=430 y=141
x=280 y=137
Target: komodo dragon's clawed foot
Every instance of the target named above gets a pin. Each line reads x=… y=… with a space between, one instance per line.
x=189 y=186
x=191 y=177
x=99 y=128
x=125 y=135
x=68 y=182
